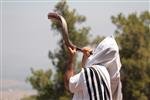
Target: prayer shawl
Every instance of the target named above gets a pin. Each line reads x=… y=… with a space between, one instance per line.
x=106 y=54
x=97 y=81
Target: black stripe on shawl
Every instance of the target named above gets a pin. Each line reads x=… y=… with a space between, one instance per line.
x=98 y=83
x=87 y=83
x=93 y=83
x=105 y=87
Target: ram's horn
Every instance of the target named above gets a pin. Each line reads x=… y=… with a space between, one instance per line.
x=58 y=18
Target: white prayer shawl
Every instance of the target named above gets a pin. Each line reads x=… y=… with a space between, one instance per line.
x=104 y=63
x=107 y=54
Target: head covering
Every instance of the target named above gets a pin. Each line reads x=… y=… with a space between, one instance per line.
x=106 y=54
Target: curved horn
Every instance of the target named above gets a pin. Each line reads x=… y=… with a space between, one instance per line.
x=62 y=21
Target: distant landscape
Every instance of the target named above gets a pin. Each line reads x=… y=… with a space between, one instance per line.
x=15 y=90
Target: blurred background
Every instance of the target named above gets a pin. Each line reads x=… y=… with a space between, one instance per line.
x=33 y=58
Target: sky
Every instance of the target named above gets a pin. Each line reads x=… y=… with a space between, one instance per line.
x=26 y=35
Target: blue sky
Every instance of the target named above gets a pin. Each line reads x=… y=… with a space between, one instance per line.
x=27 y=36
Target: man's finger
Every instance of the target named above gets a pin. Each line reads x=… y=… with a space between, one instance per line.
x=86 y=49
x=72 y=50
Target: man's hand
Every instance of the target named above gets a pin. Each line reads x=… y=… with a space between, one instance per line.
x=86 y=51
x=86 y=54
x=72 y=52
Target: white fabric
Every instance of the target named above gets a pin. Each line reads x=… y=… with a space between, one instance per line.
x=77 y=83
x=106 y=54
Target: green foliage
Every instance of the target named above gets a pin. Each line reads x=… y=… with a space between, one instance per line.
x=133 y=35
x=42 y=82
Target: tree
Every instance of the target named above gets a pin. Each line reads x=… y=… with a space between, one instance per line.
x=133 y=35
x=47 y=88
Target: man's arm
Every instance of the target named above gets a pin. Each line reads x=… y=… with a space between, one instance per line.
x=69 y=70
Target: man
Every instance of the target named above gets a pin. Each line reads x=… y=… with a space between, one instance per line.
x=99 y=78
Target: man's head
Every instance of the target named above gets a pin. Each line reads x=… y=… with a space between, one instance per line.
x=106 y=54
